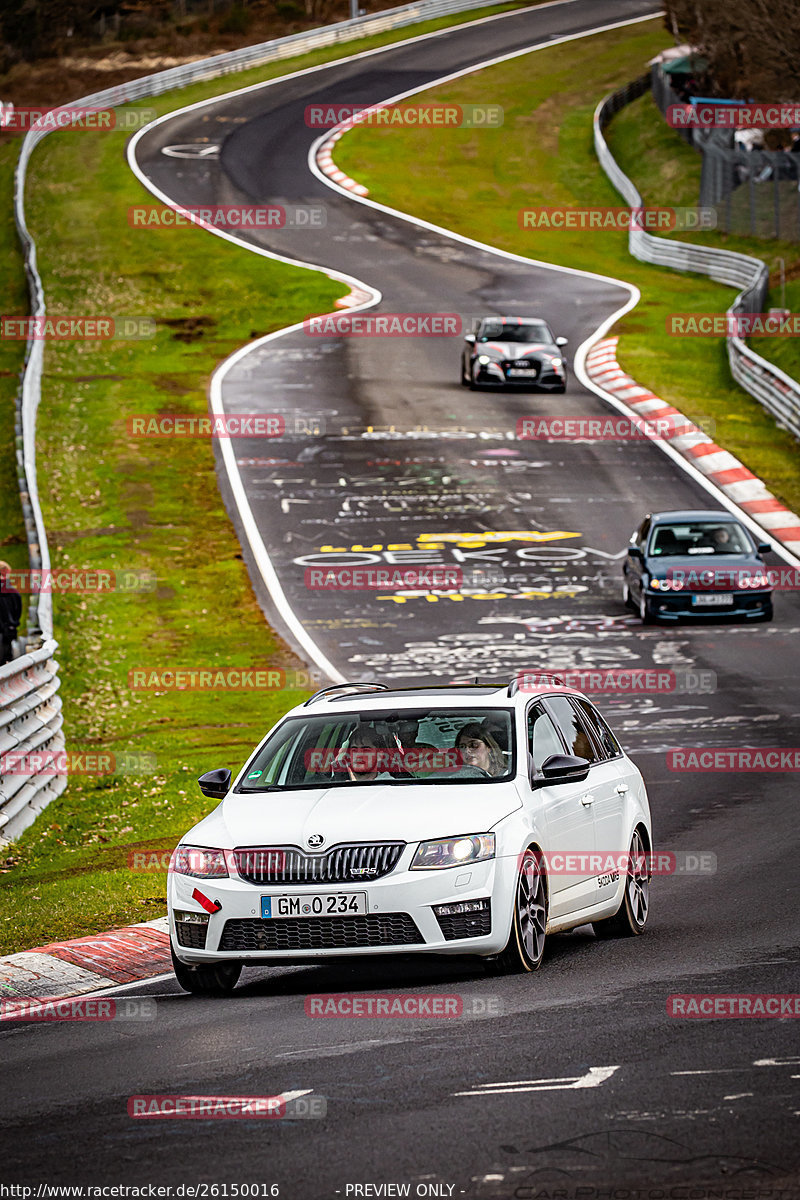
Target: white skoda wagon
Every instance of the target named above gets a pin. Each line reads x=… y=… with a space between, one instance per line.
x=434 y=820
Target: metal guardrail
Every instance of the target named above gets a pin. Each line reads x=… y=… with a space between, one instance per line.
x=30 y=723
x=776 y=391
x=30 y=709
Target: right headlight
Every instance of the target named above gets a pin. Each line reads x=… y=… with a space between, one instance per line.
x=453 y=852
x=199 y=862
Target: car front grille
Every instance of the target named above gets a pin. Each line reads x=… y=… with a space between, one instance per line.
x=320 y=933
x=360 y=863
x=466 y=925
x=191 y=935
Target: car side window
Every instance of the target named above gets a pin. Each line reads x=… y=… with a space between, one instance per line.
x=543 y=738
x=603 y=735
x=577 y=739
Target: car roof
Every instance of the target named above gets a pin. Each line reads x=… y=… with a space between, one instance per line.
x=515 y=320
x=459 y=695
x=694 y=514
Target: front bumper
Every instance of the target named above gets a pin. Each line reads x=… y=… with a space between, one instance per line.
x=399 y=918
x=676 y=605
x=543 y=378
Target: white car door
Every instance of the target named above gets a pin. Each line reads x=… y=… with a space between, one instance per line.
x=569 y=821
x=619 y=779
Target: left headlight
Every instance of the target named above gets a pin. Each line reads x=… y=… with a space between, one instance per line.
x=453 y=852
x=199 y=862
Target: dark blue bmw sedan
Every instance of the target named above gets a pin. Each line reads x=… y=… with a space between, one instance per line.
x=696 y=564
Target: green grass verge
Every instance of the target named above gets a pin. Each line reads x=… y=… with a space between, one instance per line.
x=476 y=181
x=111 y=501
x=667 y=171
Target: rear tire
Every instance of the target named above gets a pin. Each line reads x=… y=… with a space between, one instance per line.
x=631 y=917
x=217 y=979
x=525 y=949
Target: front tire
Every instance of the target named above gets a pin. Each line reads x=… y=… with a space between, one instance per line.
x=525 y=949
x=645 y=613
x=631 y=917
x=626 y=594
x=212 y=979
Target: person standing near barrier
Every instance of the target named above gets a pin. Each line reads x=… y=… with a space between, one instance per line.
x=10 y=614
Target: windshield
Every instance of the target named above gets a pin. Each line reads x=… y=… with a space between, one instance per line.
x=496 y=331
x=424 y=746
x=699 y=537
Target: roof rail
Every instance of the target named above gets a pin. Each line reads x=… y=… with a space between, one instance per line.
x=513 y=686
x=337 y=687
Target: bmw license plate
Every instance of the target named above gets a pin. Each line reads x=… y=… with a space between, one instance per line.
x=325 y=904
x=718 y=601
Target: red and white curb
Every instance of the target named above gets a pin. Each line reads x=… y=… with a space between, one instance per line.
x=719 y=466
x=327 y=166
x=63 y=969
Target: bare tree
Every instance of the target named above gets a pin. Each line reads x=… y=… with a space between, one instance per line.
x=752 y=46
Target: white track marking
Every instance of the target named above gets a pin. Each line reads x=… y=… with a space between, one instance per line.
x=592 y=1079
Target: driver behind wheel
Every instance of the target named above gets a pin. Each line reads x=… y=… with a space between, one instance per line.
x=479 y=749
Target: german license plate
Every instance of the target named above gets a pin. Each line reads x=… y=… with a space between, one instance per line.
x=324 y=904
x=524 y=372
x=717 y=601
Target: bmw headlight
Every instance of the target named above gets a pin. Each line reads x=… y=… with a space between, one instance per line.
x=453 y=852
x=666 y=585
x=199 y=862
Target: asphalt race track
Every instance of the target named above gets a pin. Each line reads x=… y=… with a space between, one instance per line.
x=505 y=1101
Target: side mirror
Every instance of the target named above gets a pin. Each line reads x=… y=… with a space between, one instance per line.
x=635 y=552
x=561 y=341
x=764 y=547
x=470 y=338
x=564 y=768
x=216 y=784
